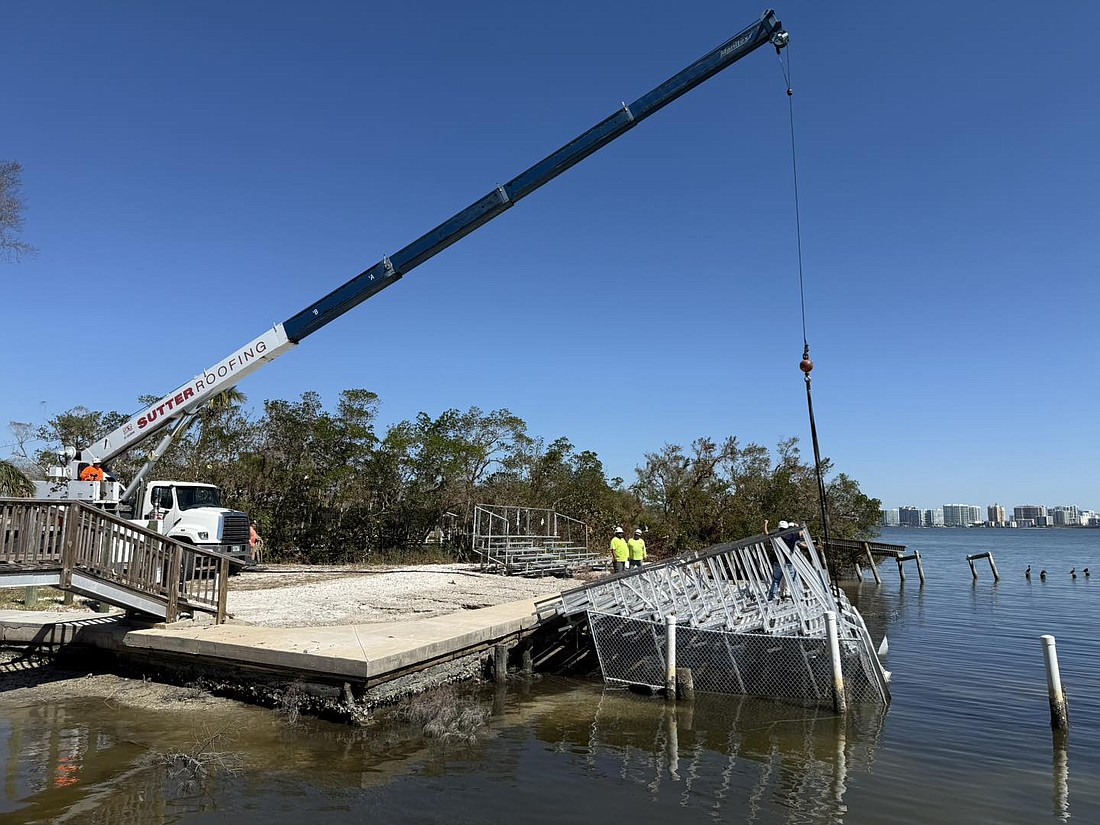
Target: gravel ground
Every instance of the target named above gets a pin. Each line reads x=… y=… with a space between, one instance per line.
x=292 y=596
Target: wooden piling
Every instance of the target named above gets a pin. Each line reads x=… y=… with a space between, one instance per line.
x=992 y=564
x=871 y=561
x=685 y=684
x=914 y=556
x=1059 y=710
x=500 y=664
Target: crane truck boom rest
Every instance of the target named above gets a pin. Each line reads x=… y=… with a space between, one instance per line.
x=175 y=409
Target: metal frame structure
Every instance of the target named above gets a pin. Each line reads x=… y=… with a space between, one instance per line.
x=531 y=541
x=735 y=638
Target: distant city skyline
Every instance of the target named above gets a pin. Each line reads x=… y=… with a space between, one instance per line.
x=995 y=515
x=994 y=503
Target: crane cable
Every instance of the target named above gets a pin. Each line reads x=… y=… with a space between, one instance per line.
x=806 y=365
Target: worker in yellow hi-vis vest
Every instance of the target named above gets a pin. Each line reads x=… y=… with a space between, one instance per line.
x=620 y=552
x=637 y=549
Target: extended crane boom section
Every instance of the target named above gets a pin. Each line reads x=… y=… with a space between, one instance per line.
x=227 y=372
x=388 y=270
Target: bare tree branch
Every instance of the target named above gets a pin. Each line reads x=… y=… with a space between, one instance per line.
x=11 y=212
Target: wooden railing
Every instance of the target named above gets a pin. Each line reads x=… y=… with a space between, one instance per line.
x=850 y=554
x=80 y=540
x=859 y=547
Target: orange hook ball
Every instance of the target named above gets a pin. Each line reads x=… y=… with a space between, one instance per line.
x=806 y=366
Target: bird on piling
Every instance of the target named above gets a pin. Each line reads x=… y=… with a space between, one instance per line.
x=1043 y=575
x=1028 y=571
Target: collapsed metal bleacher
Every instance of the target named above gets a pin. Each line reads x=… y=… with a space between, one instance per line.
x=751 y=619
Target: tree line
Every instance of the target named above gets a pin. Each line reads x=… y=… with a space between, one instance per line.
x=334 y=486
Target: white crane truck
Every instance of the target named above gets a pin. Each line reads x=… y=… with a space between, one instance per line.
x=192 y=512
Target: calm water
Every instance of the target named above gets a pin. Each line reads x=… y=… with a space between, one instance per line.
x=966 y=739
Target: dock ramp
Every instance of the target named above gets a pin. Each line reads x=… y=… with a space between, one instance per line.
x=76 y=547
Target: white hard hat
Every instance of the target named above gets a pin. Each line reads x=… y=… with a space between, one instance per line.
x=638 y=532
x=618 y=529
x=783 y=525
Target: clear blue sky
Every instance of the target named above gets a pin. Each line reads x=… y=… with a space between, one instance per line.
x=197 y=172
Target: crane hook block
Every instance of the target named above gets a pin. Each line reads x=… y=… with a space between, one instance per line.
x=806 y=365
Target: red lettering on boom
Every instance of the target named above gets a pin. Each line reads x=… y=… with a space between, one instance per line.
x=206 y=381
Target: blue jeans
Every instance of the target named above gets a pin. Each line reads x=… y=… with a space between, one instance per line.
x=777 y=578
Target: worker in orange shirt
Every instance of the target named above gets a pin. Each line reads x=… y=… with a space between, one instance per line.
x=93 y=472
x=255 y=543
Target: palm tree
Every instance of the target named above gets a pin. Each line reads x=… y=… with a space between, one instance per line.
x=228 y=399
x=14 y=482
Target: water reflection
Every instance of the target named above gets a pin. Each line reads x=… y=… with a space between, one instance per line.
x=54 y=762
x=720 y=756
x=721 y=752
x=1060 y=764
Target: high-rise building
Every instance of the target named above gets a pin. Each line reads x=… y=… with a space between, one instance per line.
x=891 y=518
x=1028 y=512
x=996 y=514
x=909 y=517
x=933 y=518
x=1065 y=516
x=961 y=515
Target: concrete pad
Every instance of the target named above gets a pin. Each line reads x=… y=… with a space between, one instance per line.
x=357 y=652
x=49 y=627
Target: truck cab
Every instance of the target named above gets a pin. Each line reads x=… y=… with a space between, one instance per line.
x=192 y=512
x=187 y=511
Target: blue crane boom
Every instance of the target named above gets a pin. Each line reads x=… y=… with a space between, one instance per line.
x=176 y=408
x=387 y=271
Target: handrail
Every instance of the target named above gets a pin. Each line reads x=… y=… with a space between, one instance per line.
x=76 y=538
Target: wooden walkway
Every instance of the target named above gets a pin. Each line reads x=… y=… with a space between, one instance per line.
x=79 y=548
